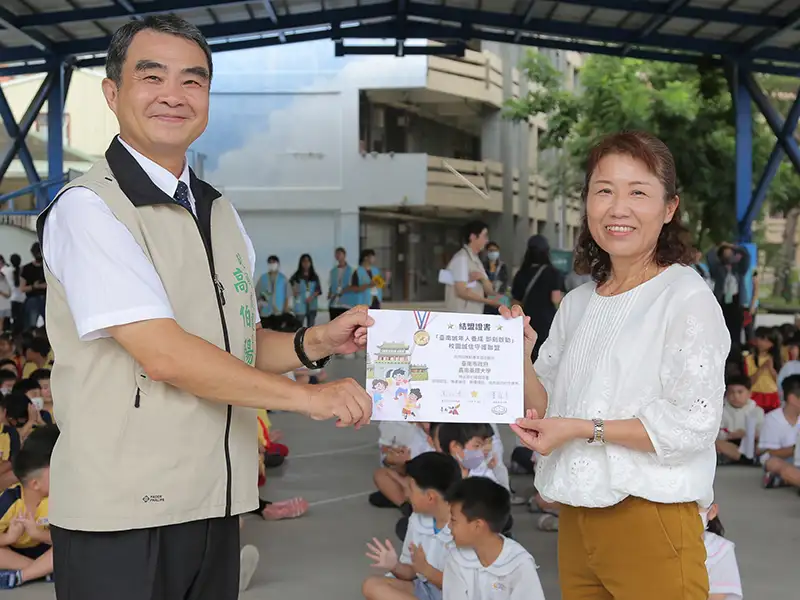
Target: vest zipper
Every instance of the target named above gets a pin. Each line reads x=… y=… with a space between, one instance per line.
x=138 y=397
x=219 y=291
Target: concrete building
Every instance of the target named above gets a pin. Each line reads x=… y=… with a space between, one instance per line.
x=376 y=152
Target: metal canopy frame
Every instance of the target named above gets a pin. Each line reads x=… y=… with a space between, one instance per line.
x=743 y=36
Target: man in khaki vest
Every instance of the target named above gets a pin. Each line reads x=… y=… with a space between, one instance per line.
x=160 y=363
x=470 y=290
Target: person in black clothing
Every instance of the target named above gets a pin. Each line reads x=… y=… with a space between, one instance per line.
x=538 y=287
x=17 y=308
x=32 y=282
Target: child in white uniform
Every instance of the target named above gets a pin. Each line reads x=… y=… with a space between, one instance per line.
x=418 y=575
x=484 y=565
x=779 y=434
x=723 y=570
x=741 y=424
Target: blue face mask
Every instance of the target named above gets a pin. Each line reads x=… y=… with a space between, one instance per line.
x=472 y=459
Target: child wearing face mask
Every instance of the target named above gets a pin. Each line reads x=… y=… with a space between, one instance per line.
x=473 y=446
x=723 y=571
x=10 y=444
x=7 y=382
x=31 y=388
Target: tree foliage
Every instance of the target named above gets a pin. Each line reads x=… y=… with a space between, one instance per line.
x=688 y=107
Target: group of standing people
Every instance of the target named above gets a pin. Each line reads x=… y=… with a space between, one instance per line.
x=298 y=294
x=483 y=282
x=22 y=292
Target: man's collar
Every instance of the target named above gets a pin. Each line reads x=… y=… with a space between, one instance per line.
x=137 y=185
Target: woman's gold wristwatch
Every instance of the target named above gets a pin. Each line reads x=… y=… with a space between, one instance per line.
x=599 y=436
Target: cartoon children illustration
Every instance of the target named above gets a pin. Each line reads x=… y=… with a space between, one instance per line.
x=401 y=382
x=378 y=388
x=412 y=403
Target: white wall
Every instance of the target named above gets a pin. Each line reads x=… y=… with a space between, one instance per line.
x=15 y=240
x=283 y=145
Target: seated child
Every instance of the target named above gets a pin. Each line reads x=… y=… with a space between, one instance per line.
x=792 y=364
x=741 y=423
x=484 y=565
x=471 y=444
x=9 y=447
x=7 y=381
x=21 y=414
x=31 y=388
x=723 y=570
x=273 y=511
x=418 y=572
x=42 y=377
x=776 y=445
x=10 y=366
x=25 y=546
x=390 y=479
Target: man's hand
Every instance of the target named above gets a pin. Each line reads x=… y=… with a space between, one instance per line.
x=346 y=334
x=344 y=399
x=383 y=556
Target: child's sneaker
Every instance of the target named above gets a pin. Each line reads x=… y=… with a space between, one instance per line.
x=772 y=481
x=10 y=579
x=50 y=578
x=547 y=522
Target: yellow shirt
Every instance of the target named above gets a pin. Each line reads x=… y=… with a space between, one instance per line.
x=765 y=383
x=9 y=442
x=12 y=505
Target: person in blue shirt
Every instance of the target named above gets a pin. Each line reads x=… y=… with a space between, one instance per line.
x=341 y=297
x=364 y=284
x=306 y=289
x=272 y=290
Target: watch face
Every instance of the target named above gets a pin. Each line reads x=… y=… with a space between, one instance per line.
x=421 y=338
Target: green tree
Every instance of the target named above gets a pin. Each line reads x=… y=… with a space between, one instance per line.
x=689 y=107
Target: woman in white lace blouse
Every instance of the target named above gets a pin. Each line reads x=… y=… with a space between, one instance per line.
x=630 y=383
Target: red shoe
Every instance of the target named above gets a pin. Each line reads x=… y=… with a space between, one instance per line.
x=280 y=449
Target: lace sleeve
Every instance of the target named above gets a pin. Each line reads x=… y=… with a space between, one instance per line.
x=686 y=418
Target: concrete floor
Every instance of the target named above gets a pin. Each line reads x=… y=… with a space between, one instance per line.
x=322 y=554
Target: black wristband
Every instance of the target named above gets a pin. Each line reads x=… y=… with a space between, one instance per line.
x=299 y=349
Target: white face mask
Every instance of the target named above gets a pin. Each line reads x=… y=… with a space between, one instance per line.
x=272 y=267
x=38 y=402
x=493 y=256
x=5 y=391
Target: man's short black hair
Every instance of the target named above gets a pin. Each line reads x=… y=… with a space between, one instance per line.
x=36 y=452
x=482 y=498
x=23 y=386
x=340 y=249
x=743 y=380
x=6 y=375
x=39 y=345
x=166 y=23
x=16 y=405
x=364 y=254
x=473 y=228
x=39 y=374
x=462 y=433
x=434 y=471
x=791 y=386
x=273 y=258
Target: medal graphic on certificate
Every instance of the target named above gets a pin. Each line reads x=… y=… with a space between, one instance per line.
x=422 y=337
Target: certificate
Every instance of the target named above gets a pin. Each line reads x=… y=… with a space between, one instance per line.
x=445 y=367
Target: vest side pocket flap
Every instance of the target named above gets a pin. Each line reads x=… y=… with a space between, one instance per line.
x=143 y=383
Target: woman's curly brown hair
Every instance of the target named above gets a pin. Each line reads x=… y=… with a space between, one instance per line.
x=674 y=242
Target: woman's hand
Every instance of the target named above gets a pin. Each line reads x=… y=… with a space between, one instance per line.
x=530 y=335
x=545 y=435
